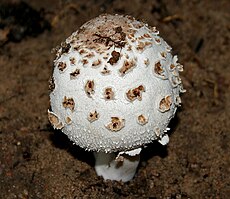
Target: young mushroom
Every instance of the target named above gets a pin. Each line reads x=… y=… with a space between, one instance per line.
x=115 y=114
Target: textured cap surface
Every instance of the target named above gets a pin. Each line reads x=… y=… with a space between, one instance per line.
x=115 y=85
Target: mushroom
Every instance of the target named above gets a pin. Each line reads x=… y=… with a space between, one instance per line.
x=116 y=114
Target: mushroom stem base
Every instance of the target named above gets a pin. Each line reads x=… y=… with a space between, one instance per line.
x=113 y=167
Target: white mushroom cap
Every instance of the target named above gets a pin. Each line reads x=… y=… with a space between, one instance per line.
x=115 y=85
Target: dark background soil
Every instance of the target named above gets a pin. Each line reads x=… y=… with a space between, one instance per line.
x=38 y=162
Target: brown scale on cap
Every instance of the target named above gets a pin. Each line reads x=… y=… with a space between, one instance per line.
x=77 y=47
x=61 y=66
x=74 y=74
x=148 y=43
x=115 y=57
x=126 y=56
x=89 y=55
x=82 y=51
x=105 y=32
x=102 y=51
x=158 y=41
x=141 y=45
x=177 y=100
x=133 y=40
x=163 y=54
x=105 y=71
x=172 y=67
x=93 y=116
x=158 y=69
x=65 y=47
x=109 y=94
x=157 y=131
x=141 y=37
x=165 y=104
x=116 y=124
x=127 y=66
x=72 y=60
x=175 y=80
x=142 y=120
x=138 y=25
x=96 y=63
x=68 y=103
x=146 y=35
x=131 y=36
x=135 y=93
x=116 y=39
x=54 y=120
x=51 y=84
x=120 y=31
x=168 y=49
x=175 y=73
x=154 y=30
x=84 y=61
x=132 y=31
x=106 y=56
x=89 y=88
x=146 y=61
x=68 y=120
x=129 y=48
x=180 y=67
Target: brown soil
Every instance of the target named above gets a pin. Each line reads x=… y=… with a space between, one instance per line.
x=38 y=162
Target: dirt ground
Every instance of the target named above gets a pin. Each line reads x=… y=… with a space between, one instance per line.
x=38 y=162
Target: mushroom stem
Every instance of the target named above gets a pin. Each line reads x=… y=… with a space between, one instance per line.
x=116 y=167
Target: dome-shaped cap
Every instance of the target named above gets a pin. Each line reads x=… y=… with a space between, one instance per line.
x=115 y=85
